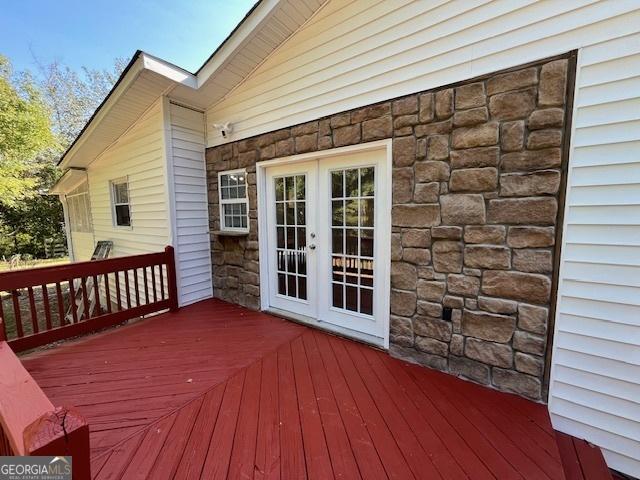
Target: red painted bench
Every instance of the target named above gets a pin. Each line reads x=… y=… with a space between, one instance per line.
x=31 y=425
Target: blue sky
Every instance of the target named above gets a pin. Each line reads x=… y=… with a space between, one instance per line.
x=93 y=33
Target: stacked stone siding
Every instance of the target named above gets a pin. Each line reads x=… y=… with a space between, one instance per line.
x=477 y=172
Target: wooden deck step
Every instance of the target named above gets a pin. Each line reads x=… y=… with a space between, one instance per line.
x=581 y=460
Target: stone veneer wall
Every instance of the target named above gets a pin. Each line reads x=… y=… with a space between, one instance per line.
x=476 y=177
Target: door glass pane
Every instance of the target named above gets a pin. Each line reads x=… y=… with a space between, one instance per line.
x=280 y=214
x=291 y=235
x=352 y=242
x=352 y=239
x=366 y=182
x=366 y=242
x=280 y=233
x=337 y=266
x=337 y=241
x=366 y=212
x=366 y=301
x=337 y=295
x=351 y=213
x=351 y=298
x=337 y=184
x=279 y=189
x=337 y=212
x=351 y=182
x=300 y=187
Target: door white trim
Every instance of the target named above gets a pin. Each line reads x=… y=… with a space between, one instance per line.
x=384 y=262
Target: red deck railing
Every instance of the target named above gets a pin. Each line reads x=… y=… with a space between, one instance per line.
x=48 y=304
x=87 y=296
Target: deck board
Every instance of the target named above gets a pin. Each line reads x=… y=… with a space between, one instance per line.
x=217 y=391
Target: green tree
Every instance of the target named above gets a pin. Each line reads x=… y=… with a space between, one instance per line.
x=39 y=118
x=25 y=135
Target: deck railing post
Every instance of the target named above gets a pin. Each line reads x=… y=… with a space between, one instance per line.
x=62 y=432
x=171 y=278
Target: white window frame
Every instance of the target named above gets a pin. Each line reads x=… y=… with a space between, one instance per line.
x=114 y=216
x=227 y=201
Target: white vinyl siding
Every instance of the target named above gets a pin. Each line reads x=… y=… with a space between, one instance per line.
x=595 y=390
x=138 y=156
x=356 y=53
x=189 y=177
x=82 y=245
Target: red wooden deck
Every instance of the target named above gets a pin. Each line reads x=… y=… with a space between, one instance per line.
x=217 y=391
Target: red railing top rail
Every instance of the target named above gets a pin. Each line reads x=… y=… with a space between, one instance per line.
x=43 y=275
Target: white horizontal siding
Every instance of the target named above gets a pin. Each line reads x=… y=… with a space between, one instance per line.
x=83 y=246
x=355 y=53
x=137 y=155
x=595 y=379
x=190 y=204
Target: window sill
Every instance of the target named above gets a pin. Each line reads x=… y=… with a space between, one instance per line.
x=229 y=233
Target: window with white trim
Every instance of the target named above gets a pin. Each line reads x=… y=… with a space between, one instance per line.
x=120 y=202
x=234 y=202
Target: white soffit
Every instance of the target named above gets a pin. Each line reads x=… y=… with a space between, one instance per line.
x=146 y=77
x=134 y=94
x=269 y=24
x=70 y=180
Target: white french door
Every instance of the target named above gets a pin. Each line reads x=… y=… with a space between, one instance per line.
x=328 y=243
x=291 y=220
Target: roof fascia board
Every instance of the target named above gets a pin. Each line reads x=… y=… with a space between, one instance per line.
x=170 y=71
x=259 y=15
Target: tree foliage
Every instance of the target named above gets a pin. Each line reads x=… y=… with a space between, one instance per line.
x=73 y=96
x=39 y=118
x=25 y=135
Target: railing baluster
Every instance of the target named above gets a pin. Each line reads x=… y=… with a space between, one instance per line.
x=96 y=292
x=146 y=286
x=16 y=313
x=72 y=302
x=172 y=286
x=3 y=326
x=126 y=284
x=118 y=299
x=32 y=308
x=153 y=282
x=162 y=297
x=107 y=293
x=137 y=288
x=85 y=298
x=61 y=319
x=45 y=302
